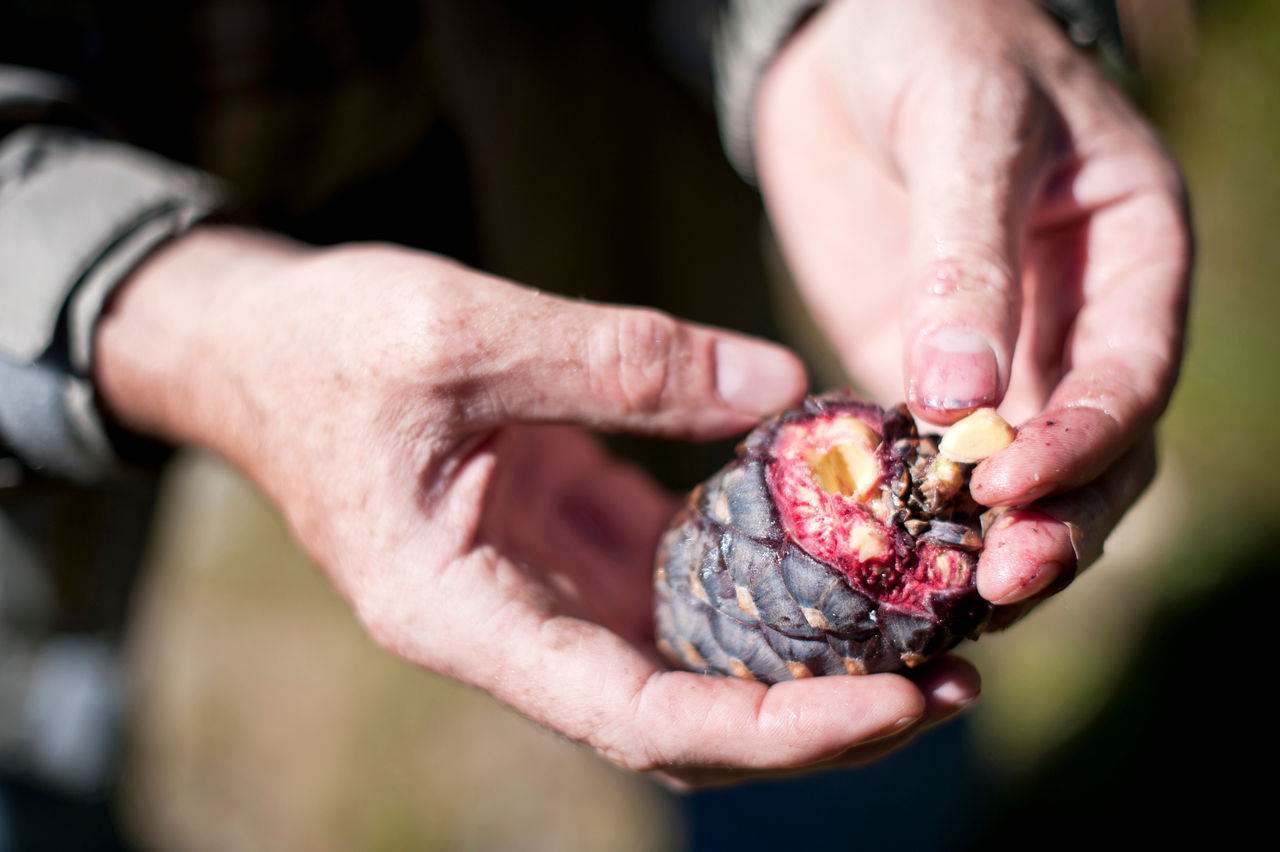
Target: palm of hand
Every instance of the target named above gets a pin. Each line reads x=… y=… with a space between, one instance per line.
x=525 y=571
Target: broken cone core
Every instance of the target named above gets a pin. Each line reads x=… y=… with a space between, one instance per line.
x=829 y=478
x=838 y=541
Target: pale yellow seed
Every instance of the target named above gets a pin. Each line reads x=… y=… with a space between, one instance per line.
x=978 y=436
x=850 y=466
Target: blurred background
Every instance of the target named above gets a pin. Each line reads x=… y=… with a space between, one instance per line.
x=1129 y=707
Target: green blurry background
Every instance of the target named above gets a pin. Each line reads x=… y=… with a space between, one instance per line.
x=266 y=719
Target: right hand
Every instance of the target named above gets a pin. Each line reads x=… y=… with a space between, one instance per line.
x=977 y=217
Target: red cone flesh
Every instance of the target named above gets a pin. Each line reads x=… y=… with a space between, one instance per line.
x=837 y=542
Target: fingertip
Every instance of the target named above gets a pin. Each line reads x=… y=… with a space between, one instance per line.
x=953 y=370
x=1024 y=555
x=757 y=378
x=1059 y=450
x=1025 y=471
x=1007 y=479
x=913 y=707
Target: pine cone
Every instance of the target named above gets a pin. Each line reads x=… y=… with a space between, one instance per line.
x=839 y=541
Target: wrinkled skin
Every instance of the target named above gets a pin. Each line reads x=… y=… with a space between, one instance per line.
x=762 y=576
x=396 y=406
x=956 y=172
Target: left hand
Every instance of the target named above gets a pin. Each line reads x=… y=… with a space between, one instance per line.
x=419 y=424
x=977 y=216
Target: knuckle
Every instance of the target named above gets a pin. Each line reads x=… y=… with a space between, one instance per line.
x=629 y=757
x=972 y=269
x=619 y=742
x=626 y=740
x=381 y=621
x=982 y=95
x=389 y=618
x=998 y=92
x=631 y=359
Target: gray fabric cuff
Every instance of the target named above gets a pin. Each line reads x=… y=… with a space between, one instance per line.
x=752 y=33
x=76 y=216
x=1092 y=25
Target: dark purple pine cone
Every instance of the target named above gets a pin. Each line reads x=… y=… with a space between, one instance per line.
x=839 y=541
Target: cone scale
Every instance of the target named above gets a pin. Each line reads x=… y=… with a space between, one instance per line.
x=838 y=541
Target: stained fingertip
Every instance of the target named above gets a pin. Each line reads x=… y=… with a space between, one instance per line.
x=1055 y=452
x=1025 y=554
x=1044 y=576
x=1000 y=482
x=1016 y=475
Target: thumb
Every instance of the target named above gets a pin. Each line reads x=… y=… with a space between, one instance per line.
x=628 y=369
x=971 y=152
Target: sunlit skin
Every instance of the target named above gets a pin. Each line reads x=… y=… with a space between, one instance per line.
x=958 y=173
x=395 y=405
x=422 y=426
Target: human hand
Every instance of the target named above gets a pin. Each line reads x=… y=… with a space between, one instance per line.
x=975 y=214
x=402 y=412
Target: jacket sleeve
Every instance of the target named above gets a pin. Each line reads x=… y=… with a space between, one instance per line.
x=77 y=213
x=752 y=32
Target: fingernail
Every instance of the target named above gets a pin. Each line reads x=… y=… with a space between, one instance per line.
x=1044 y=576
x=955 y=368
x=904 y=722
x=754 y=377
